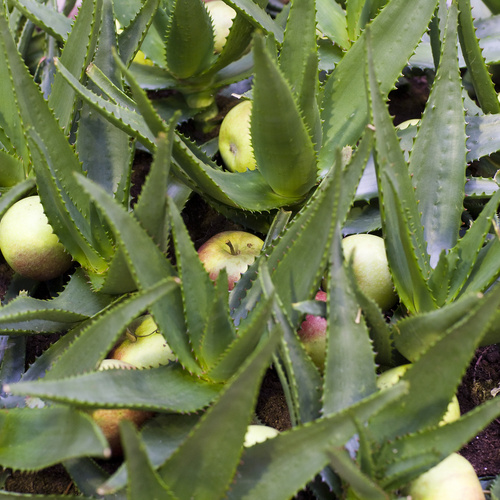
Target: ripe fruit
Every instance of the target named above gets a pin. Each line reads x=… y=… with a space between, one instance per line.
x=233 y=251
x=235 y=143
x=222 y=19
x=452 y=479
x=370 y=267
x=259 y=433
x=28 y=243
x=312 y=332
x=391 y=376
x=145 y=346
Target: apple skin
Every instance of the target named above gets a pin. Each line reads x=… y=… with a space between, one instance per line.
x=235 y=143
x=222 y=19
x=233 y=251
x=28 y=243
x=258 y=434
x=453 y=478
x=145 y=346
x=370 y=267
x=390 y=377
x=312 y=333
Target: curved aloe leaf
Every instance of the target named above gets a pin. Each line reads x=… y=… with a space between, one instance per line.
x=437 y=160
x=345 y=106
x=189 y=54
x=281 y=143
x=332 y=23
x=38 y=438
x=140 y=389
x=483 y=134
x=265 y=468
x=483 y=85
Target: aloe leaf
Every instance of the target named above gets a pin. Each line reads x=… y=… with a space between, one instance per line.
x=265 y=468
x=248 y=336
x=130 y=39
x=481 y=80
x=161 y=436
x=415 y=453
x=421 y=407
x=462 y=257
x=76 y=55
x=16 y=193
x=140 y=389
x=235 y=404
x=74 y=304
x=332 y=22
x=38 y=438
x=148 y=266
x=438 y=154
x=255 y=14
x=12 y=366
x=345 y=106
x=350 y=361
x=142 y=478
x=281 y=143
x=51 y=21
x=483 y=134
x=403 y=232
x=197 y=288
x=151 y=207
x=188 y=56
x=95 y=341
x=357 y=16
x=414 y=335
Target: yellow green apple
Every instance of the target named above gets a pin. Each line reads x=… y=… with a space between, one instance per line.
x=28 y=242
x=233 y=251
x=235 y=143
x=222 y=19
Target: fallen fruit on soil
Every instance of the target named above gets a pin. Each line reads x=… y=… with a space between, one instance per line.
x=370 y=267
x=312 y=333
x=144 y=345
x=222 y=19
x=452 y=479
x=259 y=433
x=28 y=243
x=391 y=376
x=233 y=251
x=235 y=143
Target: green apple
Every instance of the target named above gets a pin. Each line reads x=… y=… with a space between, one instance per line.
x=258 y=434
x=312 y=333
x=144 y=345
x=235 y=143
x=370 y=267
x=391 y=376
x=233 y=251
x=28 y=243
x=222 y=19
x=453 y=478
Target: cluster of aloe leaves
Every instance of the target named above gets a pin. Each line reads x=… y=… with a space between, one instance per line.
x=70 y=126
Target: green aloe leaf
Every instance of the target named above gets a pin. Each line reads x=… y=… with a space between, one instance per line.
x=140 y=389
x=265 y=468
x=188 y=55
x=281 y=143
x=332 y=23
x=437 y=160
x=148 y=265
x=76 y=303
x=38 y=438
x=481 y=79
x=12 y=169
x=483 y=134
x=214 y=459
x=350 y=360
x=142 y=478
x=420 y=451
x=95 y=341
x=345 y=106
x=421 y=407
x=403 y=232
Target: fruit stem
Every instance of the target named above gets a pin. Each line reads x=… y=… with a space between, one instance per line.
x=231 y=248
